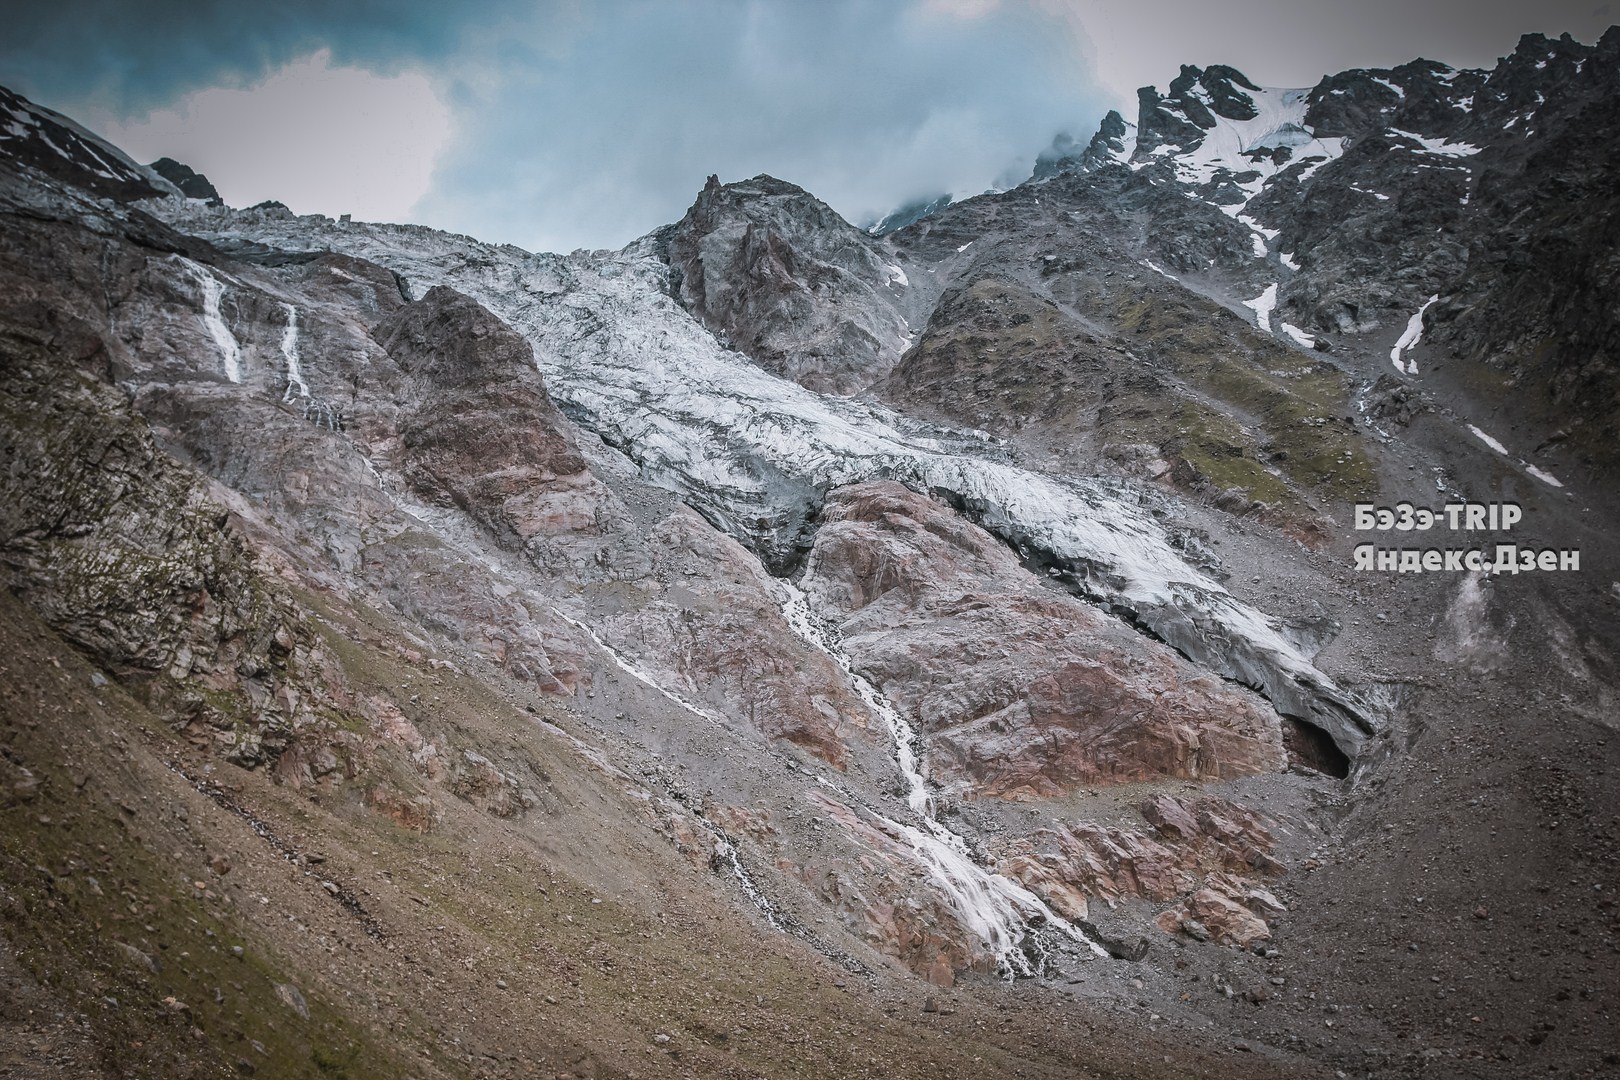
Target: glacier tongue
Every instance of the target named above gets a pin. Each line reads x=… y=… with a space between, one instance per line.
x=756 y=453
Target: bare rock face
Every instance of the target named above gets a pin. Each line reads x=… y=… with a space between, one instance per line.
x=1384 y=187
x=1207 y=857
x=59 y=148
x=958 y=370
x=789 y=282
x=125 y=552
x=913 y=925
x=478 y=427
x=192 y=184
x=1224 y=834
x=1071 y=864
x=1208 y=915
x=1025 y=692
x=1229 y=842
x=691 y=607
x=717 y=634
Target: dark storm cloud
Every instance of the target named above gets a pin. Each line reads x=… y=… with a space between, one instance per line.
x=613 y=130
x=135 y=55
x=590 y=123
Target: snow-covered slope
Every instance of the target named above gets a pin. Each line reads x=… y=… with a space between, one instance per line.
x=1242 y=148
x=61 y=148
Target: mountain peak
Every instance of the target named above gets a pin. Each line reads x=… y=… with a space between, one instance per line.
x=192 y=184
x=909 y=213
x=1107 y=146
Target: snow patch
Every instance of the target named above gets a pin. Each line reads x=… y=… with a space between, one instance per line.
x=1256 y=227
x=1279 y=122
x=1409 y=339
x=1299 y=335
x=1311 y=169
x=1487 y=440
x=1157 y=269
x=46 y=139
x=1438 y=146
x=1375 y=194
x=1262 y=307
x=1545 y=478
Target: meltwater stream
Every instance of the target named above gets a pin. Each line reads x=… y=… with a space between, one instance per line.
x=212 y=292
x=289 y=351
x=995 y=908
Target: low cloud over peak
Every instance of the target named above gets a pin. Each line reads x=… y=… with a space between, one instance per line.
x=586 y=124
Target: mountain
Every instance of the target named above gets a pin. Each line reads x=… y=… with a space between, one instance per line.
x=1344 y=184
x=191 y=183
x=61 y=149
x=781 y=648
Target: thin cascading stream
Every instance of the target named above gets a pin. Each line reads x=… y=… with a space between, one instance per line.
x=289 y=352
x=998 y=910
x=212 y=292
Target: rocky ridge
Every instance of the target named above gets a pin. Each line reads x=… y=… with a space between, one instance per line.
x=1338 y=183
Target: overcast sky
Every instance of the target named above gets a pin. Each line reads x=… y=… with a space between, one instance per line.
x=556 y=124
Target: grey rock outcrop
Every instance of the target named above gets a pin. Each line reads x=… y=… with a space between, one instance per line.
x=789 y=282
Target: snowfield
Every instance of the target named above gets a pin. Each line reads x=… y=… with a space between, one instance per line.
x=1262 y=306
x=1279 y=121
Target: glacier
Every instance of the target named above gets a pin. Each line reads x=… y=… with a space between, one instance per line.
x=757 y=454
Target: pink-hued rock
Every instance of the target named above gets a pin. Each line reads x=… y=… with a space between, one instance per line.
x=1205 y=848
x=1068 y=864
x=477 y=426
x=1257 y=898
x=1024 y=691
x=880 y=887
x=1226 y=835
x=1225 y=921
x=718 y=636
